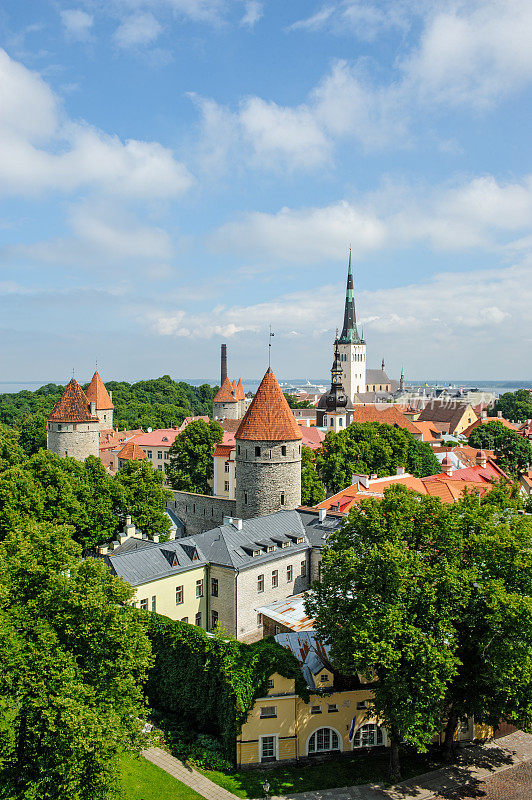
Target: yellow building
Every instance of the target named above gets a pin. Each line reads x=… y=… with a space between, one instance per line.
x=281 y=726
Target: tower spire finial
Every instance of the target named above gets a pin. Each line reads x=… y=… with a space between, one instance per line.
x=270 y=348
x=349 y=330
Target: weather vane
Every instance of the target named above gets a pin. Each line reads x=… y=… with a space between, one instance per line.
x=270 y=348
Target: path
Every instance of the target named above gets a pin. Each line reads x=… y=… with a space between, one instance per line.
x=476 y=765
x=190 y=777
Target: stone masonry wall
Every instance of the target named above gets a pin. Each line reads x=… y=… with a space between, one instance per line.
x=78 y=439
x=201 y=512
x=261 y=479
x=226 y=410
x=106 y=418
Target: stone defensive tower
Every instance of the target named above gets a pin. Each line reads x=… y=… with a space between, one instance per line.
x=73 y=427
x=97 y=393
x=268 y=454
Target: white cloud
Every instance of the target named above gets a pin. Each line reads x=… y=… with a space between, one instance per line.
x=77 y=23
x=365 y=20
x=41 y=150
x=210 y=11
x=138 y=29
x=253 y=12
x=481 y=213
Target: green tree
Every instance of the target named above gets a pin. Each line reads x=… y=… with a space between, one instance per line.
x=370 y=447
x=142 y=494
x=312 y=488
x=11 y=451
x=515 y=406
x=512 y=451
x=74 y=659
x=386 y=602
x=191 y=465
x=293 y=402
x=32 y=433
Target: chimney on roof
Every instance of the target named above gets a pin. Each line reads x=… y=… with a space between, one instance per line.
x=93 y=409
x=400 y=471
x=111 y=396
x=447 y=466
x=363 y=479
x=237 y=522
x=481 y=459
x=129 y=528
x=483 y=414
x=499 y=414
x=155 y=538
x=223 y=364
x=171 y=534
x=322 y=513
x=373 y=476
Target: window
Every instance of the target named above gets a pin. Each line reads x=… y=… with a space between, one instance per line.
x=340 y=422
x=361 y=704
x=283 y=450
x=270 y=548
x=226 y=486
x=332 y=708
x=282 y=498
x=184 y=619
x=324 y=677
x=266 y=712
x=286 y=544
x=245 y=498
x=154 y=603
x=315 y=709
x=268 y=748
x=160 y=467
x=148 y=453
x=198 y=619
x=214 y=619
x=259 y=620
x=303 y=568
x=257 y=451
x=277 y=629
x=270 y=683
x=159 y=453
x=166 y=456
x=289 y=573
x=226 y=467
x=368 y=736
x=59 y=427
x=179 y=595
x=256 y=553
x=260 y=583
x=275 y=578
x=214 y=587
x=238 y=449
x=199 y=588
x=144 y=603
x=323 y=740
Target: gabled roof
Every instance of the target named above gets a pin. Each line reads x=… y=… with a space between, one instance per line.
x=73 y=406
x=485 y=421
x=389 y=415
x=445 y=412
x=132 y=452
x=376 y=376
x=97 y=393
x=225 y=393
x=269 y=418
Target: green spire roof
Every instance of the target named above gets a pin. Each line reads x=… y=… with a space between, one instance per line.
x=349 y=331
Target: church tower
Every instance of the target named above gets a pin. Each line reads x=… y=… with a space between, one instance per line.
x=351 y=348
x=268 y=454
x=335 y=417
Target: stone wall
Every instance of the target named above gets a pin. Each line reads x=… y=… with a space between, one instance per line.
x=200 y=512
x=226 y=410
x=105 y=415
x=263 y=474
x=76 y=439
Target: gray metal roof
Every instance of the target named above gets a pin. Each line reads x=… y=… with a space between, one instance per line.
x=317 y=531
x=145 y=560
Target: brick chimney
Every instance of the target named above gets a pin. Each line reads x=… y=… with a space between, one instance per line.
x=447 y=466
x=481 y=459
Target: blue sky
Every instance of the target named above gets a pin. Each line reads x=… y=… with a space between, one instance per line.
x=178 y=173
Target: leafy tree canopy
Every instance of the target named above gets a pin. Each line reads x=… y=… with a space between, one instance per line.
x=293 y=402
x=157 y=403
x=191 y=465
x=46 y=488
x=513 y=452
x=515 y=406
x=312 y=488
x=370 y=447
x=433 y=601
x=74 y=658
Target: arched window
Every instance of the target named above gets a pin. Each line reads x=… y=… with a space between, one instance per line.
x=323 y=740
x=369 y=736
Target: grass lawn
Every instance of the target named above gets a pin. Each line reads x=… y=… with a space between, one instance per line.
x=324 y=775
x=142 y=780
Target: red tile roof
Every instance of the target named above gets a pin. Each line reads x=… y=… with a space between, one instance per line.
x=230 y=425
x=312 y=437
x=240 y=393
x=225 y=393
x=97 y=393
x=73 y=406
x=269 y=417
x=132 y=452
x=223 y=450
x=510 y=425
x=368 y=412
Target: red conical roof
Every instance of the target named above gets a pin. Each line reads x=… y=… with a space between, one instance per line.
x=97 y=393
x=240 y=393
x=225 y=393
x=269 y=418
x=73 y=406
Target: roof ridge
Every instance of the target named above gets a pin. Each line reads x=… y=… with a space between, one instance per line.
x=97 y=393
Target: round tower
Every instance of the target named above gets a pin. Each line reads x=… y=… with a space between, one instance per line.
x=103 y=400
x=73 y=427
x=268 y=454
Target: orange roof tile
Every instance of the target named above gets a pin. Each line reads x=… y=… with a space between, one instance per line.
x=240 y=393
x=225 y=393
x=73 y=406
x=386 y=416
x=223 y=450
x=97 y=393
x=510 y=425
x=269 y=418
x=131 y=452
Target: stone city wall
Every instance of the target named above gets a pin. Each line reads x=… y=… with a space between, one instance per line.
x=201 y=512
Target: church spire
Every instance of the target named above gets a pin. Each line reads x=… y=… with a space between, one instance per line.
x=349 y=331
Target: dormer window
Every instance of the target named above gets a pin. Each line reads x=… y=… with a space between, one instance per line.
x=256 y=553
x=270 y=548
x=285 y=544
x=300 y=540
x=165 y=438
